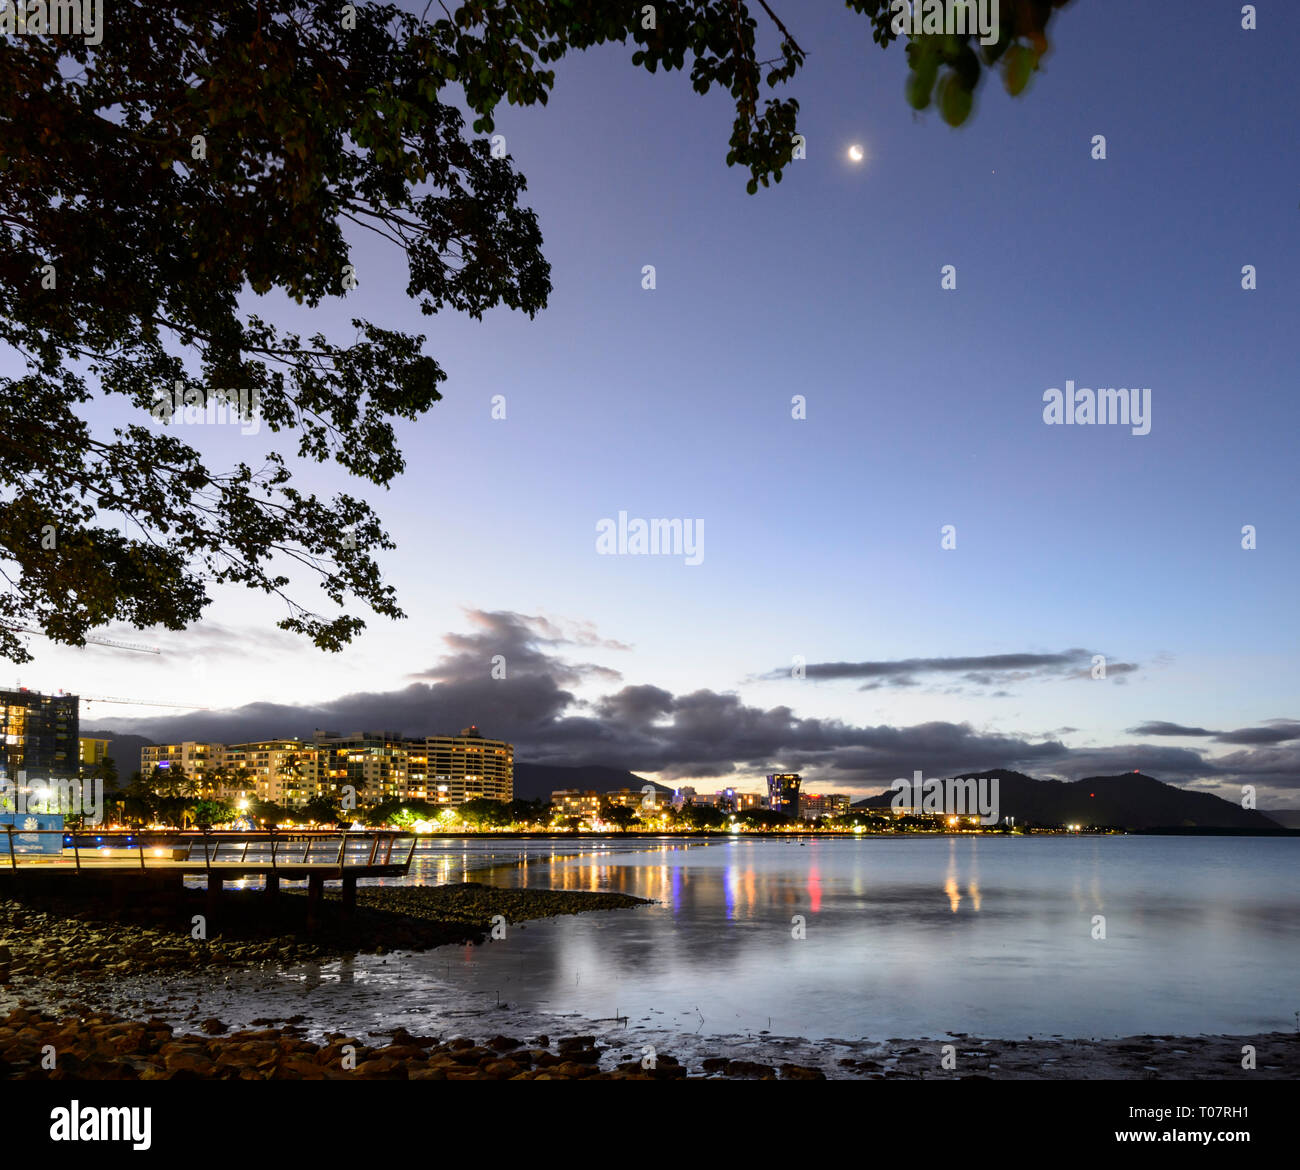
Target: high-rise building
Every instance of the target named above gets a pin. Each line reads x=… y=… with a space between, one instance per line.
x=286 y=772
x=783 y=793
x=374 y=764
x=199 y=761
x=830 y=804
x=442 y=769
x=468 y=766
x=39 y=735
x=91 y=753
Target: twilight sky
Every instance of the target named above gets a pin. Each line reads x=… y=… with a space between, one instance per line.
x=822 y=535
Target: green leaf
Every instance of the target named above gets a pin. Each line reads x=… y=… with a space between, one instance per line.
x=955 y=100
x=1019 y=67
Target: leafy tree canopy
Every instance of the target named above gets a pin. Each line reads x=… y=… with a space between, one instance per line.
x=203 y=155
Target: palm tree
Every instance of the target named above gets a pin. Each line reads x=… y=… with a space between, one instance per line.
x=291 y=766
x=218 y=779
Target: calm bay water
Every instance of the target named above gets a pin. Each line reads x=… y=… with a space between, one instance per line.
x=904 y=937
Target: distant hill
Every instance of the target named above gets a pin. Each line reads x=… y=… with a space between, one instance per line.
x=123 y=750
x=1288 y=818
x=1131 y=800
x=538 y=781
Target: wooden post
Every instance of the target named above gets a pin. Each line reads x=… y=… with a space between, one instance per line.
x=349 y=893
x=315 y=888
x=13 y=861
x=215 y=885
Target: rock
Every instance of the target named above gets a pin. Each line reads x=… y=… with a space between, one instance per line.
x=798 y=1072
x=401 y=1052
x=383 y=1067
x=467 y=1056
x=188 y=1063
x=213 y=1026
x=581 y=1055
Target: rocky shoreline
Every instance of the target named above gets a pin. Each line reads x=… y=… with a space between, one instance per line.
x=97 y=1047
x=52 y=938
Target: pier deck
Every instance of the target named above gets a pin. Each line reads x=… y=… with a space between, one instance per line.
x=117 y=862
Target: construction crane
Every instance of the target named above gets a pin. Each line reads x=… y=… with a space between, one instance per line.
x=128 y=702
x=123 y=645
x=97 y=641
x=140 y=702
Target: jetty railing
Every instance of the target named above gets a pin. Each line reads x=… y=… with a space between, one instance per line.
x=338 y=850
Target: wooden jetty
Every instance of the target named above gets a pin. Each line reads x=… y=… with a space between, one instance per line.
x=121 y=864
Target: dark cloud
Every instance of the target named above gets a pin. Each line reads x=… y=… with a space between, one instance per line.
x=984 y=670
x=1159 y=727
x=701 y=734
x=1275 y=731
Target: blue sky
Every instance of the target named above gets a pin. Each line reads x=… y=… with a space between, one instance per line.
x=924 y=408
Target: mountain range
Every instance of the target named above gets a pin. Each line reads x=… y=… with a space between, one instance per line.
x=1130 y=800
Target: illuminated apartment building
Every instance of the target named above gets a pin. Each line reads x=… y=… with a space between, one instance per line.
x=377 y=765
x=38 y=735
x=637 y=799
x=286 y=772
x=467 y=766
x=198 y=760
x=92 y=752
x=573 y=802
x=442 y=769
x=783 y=793
x=831 y=804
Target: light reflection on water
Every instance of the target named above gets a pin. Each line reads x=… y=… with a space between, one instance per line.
x=903 y=937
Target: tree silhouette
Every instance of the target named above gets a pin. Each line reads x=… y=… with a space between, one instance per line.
x=202 y=152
